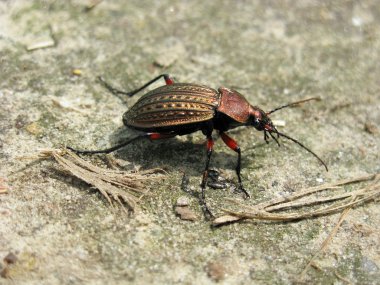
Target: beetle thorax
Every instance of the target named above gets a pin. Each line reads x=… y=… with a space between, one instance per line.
x=234 y=105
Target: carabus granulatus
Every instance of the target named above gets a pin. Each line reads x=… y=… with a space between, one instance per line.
x=183 y=108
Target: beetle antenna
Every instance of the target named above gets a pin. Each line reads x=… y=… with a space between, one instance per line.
x=266 y=137
x=301 y=145
x=293 y=104
x=274 y=138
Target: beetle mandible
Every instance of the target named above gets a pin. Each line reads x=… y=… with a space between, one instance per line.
x=183 y=108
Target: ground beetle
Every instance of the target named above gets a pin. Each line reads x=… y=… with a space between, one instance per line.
x=183 y=108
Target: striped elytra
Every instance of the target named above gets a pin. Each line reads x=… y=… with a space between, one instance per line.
x=173 y=105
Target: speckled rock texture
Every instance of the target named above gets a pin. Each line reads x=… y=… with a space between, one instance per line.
x=58 y=230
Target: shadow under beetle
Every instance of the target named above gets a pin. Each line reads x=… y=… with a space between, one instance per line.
x=183 y=108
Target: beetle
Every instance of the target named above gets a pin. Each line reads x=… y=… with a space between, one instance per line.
x=183 y=108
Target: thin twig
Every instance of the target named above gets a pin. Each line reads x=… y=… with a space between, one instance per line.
x=326 y=241
x=263 y=211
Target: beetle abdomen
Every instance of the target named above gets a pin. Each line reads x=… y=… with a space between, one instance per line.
x=172 y=105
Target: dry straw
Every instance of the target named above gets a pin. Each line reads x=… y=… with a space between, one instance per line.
x=306 y=203
x=125 y=188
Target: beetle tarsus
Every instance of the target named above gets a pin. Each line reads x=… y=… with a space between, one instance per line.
x=206 y=211
x=242 y=190
x=112 y=89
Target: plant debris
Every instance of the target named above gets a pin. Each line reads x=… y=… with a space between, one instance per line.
x=3 y=186
x=371 y=128
x=10 y=258
x=216 y=271
x=47 y=43
x=269 y=211
x=185 y=213
x=91 y=5
x=183 y=210
x=119 y=186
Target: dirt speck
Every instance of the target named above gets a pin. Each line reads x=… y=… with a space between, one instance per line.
x=216 y=270
x=10 y=258
x=185 y=213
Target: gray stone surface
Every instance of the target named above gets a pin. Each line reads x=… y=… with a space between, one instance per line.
x=274 y=52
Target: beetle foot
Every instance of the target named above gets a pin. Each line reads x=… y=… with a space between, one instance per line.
x=216 y=181
x=246 y=194
x=206 y=211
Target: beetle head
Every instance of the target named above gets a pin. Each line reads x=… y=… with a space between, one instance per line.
x=261 y=121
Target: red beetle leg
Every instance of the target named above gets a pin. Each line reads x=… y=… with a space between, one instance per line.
x=168 y=79
x=232 y=144
x=159 y=136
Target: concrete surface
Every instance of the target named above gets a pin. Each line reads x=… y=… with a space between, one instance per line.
x=274 y=52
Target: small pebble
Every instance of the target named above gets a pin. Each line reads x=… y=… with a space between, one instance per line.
x=182 y=201
x=216 y=271
x=76 y=72
x=33 y=128
x=279 y=123
x=4 y=272
x=185 y=213
x=216 y=181
x=11 y=258
x=371 y=128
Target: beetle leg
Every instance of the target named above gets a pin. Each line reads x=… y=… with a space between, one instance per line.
x=151 y=136
x=206 y=211
x=159 y=136
x=111 y=149
x=112 y=89
x=232 y=144
x=168 y=81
